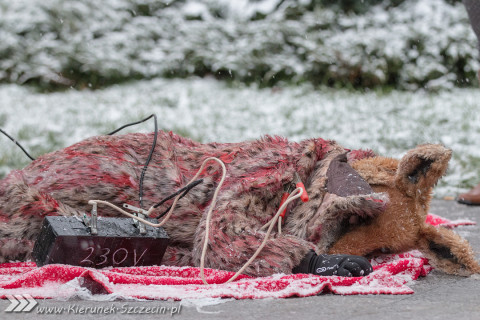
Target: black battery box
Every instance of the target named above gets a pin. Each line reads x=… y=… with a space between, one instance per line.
x=117 y=243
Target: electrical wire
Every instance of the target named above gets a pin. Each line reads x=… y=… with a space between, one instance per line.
x=180 y=194
x=18 y=144
x=145 y=167
x=132 y=124
x=149 y=212
x=150 y=155
x=185 y=190
x=109 y=134
x=297 y=193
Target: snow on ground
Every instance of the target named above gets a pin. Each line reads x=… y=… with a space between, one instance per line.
x=407 y=43
x=208 y=110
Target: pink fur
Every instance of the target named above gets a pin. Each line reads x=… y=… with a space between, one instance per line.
x=109 y=167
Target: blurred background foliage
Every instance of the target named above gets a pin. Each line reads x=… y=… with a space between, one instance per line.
x=397 y=44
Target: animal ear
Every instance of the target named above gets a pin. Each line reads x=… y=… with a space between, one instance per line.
x=421 y=168
x=447 y=251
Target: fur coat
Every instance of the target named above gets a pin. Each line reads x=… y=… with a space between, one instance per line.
x=109 y=167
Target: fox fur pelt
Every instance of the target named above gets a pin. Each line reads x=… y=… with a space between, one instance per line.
x=109 y=168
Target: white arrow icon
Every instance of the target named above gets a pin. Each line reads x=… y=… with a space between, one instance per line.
x=20 y=303
x=23 y=303
x=31 y=303
x=13 y=304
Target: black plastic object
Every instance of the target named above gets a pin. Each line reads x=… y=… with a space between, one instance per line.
x=342 y=265
x=66 y=240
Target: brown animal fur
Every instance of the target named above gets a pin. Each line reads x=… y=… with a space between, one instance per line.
x=409 y=183
x=108 y=168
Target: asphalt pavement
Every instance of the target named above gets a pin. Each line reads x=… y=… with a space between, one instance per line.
x=437 y=296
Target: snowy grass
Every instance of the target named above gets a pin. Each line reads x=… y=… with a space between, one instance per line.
x=208 y=110
x=402 y=44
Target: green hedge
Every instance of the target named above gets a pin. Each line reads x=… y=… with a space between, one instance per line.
x=405 y=44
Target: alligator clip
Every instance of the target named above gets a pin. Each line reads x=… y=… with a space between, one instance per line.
x=299 y=184
x=287 y=189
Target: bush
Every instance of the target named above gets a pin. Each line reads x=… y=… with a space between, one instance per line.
x=405 y=44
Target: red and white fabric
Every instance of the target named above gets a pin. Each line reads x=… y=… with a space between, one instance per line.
x=391 y=275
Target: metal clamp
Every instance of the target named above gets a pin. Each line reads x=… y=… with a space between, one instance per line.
x=139 y=212
x=92 y=223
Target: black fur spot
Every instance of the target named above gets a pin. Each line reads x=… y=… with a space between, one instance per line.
x=442 y=251
x=423 y=168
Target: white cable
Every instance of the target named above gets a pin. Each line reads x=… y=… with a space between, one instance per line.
x=279 y=225
x=214 y=199
x=297 y=193
x=156 y=225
